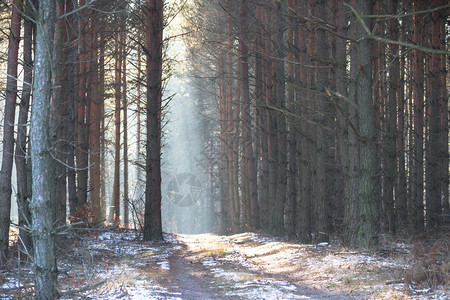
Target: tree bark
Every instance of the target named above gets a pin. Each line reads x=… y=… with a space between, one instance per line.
x=368 y=229
x=417 y=207
x=401 y=183
x=102 y=128
x=59 y=126
x=233 y=200
x=291 y=204
x=435 y=150
x=94 y=129
x=8 y=131
x=43 y=205
x=323 y=227
x=225 y=224
x=342 y=106
x=276 y=218
x=152 y=216
x=82 y=142
x=306 y=37
x=125 y=132
x=260 y=92
x=118 y=95
x=390 y=148
x=22 y=169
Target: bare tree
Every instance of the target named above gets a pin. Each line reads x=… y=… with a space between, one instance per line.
x=8 y=130
x=43 y=205
x=153 y=48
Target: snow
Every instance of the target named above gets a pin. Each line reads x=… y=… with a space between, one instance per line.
x=241 y=266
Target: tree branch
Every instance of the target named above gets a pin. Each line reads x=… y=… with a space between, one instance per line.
x=370 y=35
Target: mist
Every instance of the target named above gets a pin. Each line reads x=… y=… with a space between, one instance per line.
x=186 y=203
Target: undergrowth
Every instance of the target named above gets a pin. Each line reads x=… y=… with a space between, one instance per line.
x=430 y=266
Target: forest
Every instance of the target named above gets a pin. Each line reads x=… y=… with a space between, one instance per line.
x=314 y=122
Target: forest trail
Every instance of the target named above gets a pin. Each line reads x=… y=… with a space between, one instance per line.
x=207 y=266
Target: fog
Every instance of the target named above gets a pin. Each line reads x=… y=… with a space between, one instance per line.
x=186 y=207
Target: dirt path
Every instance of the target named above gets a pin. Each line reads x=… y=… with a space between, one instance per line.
x=190 y=278
x=236 y=259
x=206 y=266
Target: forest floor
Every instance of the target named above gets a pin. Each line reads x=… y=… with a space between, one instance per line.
x=116 y=264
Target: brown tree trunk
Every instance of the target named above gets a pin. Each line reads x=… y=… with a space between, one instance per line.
x=233 y=200
x=82 y=143
x=102 y=128
x=368 y=227
x=352 y=218
x=401 y=183
x=152 y=216
x=260 y=92
x=417 y=209
x=323 y=227
x=280 y=79
x=8 y=131
x=118 y=95
x=275 y=201
x=94 y=129
x=225 y=224
x=444 y=135
x=306 y=38
x=125 y=132
x=435 y=150
x=59 y=126
x=138 y=124
x=342 y=107
x=291 y=204
x=390 y=149
x=70 y=90
x=22 y=169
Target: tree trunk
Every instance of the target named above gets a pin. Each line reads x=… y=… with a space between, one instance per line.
x=368 y=229
x=102 y=128
x=323 y=185
x=125 y=132
x=94 y=130
x=225 y=223
x=342 y=106
x=152 y=216
x=401 y=183
x=280 y=79
x=417 y=209
x=82 y=143
x=444 y=134
x=273 y=71
x=42 y=205
x=138 y=123
x=291 y=204
x=391 y=124
x=8 y=131
x=260 y=67
x=233 y=200
x=70 y=90
x=59 y=126
x=435 y=150
x=305 y=38
x=22 y=169
x=118 y=83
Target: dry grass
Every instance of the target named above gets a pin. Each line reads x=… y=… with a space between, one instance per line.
x=430 y=266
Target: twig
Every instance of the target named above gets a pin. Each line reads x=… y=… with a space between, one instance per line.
x=76 y=10
x=419 y=12
x=370 y=35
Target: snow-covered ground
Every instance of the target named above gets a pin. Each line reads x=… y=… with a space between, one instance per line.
x=118 y=265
